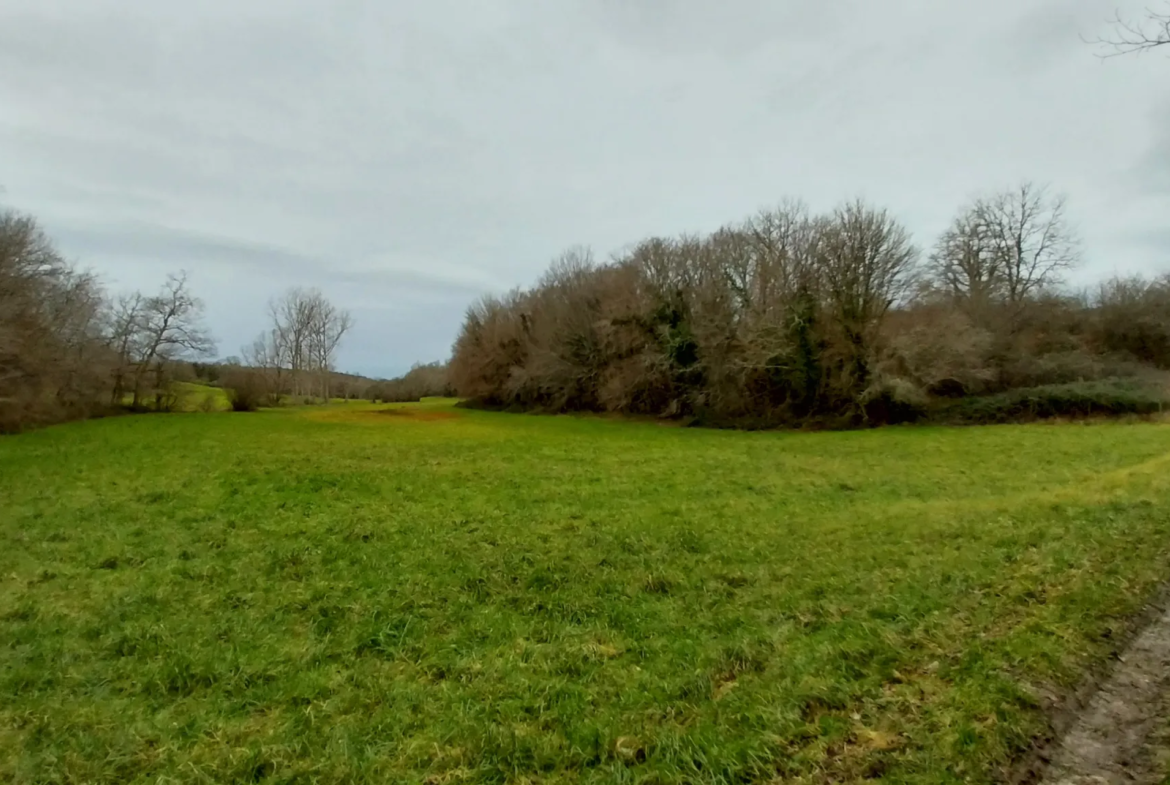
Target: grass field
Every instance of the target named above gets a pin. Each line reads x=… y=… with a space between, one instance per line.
x=432 y=595
x=194 y=397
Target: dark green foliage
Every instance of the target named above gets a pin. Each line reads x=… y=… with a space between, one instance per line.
x=245 y=388
x=887 y=407
x=1075 y=401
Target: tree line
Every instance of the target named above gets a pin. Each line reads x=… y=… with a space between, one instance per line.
x=429 y=380
x=792 y=317
x=69 y=350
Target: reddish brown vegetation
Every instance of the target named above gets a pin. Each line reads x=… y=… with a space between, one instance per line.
x=67 y=351
x=790 y=318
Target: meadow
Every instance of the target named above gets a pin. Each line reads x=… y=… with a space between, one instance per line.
x=195 y=397
x=426 y=594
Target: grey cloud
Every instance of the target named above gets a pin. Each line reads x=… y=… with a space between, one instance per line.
x=1151 y=172
x=1156 y=240
x=172 y=250
x=407 y=157
x=1042 y=33
x=735 y=29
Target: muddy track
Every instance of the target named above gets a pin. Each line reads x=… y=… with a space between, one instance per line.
x=1108 y=739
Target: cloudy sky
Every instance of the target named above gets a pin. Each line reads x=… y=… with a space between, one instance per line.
x=406 y=157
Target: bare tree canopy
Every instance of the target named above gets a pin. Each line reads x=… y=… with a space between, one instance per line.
x=867 y=260
x=1031 y=239
x=1005 y=248
x=53 y=356
x=793 y=318
x=172 y=323
x=306 y=332
x=268 y=358
x=868 y=264
x=964 y=264
x=67 y=350
x=787 y=317
x=165 y=329
x=1131 y=36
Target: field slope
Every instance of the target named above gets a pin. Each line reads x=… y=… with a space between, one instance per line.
x=426 y=594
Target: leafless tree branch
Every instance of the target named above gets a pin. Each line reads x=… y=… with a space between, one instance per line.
x=1132 y=36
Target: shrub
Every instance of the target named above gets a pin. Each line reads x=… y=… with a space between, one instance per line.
x=1078 y=400
x=893 y=401
x=941 y=349
x=243 y=399
x=245 y=389
x=1133 y=318
x=1068 y=367
x=422 y=381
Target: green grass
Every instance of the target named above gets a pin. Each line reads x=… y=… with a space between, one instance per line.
x=438 y=595
x=194 y=397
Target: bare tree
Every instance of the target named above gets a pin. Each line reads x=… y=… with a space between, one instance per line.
x=292 y=323
x=784 y=284
x=1028 y=234
x=1132 y=317
x=170 y=328
x=124 y=338
x=1004 y=249
x=787 y=318
x=328 y=328
x=868 y=264
x=781 y=240
x=1132 y=36
x=269 y=358
x=307 y=330
x=28 y=262
x=67 y=351
x=964 y=264
x=53 y=360
x=491 y=346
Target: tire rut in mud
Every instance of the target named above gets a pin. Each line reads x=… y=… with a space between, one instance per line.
x=1108 y=742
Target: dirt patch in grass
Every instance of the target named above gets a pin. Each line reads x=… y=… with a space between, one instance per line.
x=421 y=415
x=1155 y=760
x=370 y=416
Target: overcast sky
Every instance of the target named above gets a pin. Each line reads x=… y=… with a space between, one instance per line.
x=406 y=157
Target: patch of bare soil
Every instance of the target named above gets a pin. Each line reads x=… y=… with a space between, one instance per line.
x=1113 y=739
x=423 y=415
x=1156 y=757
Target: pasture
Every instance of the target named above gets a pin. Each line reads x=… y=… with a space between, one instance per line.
x=424 y=594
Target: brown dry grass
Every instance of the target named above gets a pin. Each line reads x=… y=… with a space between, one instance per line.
x=382 y=415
